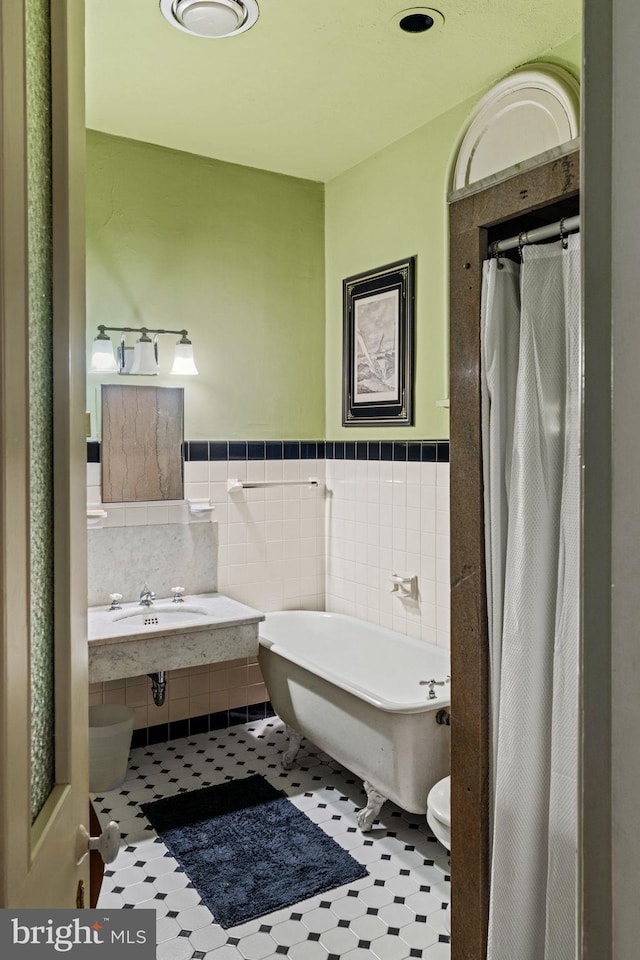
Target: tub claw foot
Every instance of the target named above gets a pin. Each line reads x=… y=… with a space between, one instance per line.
x=295 y=740
x=368 y=814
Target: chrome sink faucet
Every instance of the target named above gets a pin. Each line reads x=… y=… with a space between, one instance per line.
x=146 y=596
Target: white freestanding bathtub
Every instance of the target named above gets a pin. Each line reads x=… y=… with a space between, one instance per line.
x=369 y=697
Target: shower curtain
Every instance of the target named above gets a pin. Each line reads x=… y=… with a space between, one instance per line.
x=531 y=446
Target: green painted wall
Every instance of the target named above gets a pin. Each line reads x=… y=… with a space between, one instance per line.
x=391 y=206
x=235 y=255
x=247 y=259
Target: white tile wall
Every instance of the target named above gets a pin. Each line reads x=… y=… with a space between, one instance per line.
x=271 y=539
x=292 y=547
x=132 y=514
x=385 y=518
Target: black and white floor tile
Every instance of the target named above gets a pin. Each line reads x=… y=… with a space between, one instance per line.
x=396 y=912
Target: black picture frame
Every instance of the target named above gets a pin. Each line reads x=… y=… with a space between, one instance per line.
x=378 y=346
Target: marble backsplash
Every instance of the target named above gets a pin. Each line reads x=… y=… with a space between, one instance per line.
x=123 y=559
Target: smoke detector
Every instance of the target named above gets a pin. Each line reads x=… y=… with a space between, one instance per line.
x=211 y=18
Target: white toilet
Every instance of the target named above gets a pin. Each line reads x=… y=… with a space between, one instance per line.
x=439 y=820
x=439 y=811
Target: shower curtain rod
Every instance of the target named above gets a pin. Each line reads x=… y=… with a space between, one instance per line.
x=566 y=225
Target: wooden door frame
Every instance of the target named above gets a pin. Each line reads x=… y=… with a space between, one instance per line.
x=469 y=221
x=14 y=307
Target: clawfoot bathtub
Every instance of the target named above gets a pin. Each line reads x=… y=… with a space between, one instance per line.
x=361 y=693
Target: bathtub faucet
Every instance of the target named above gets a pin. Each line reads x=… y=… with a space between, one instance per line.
x=432 y=684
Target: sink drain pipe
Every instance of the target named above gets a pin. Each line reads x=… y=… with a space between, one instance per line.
x=158 y=686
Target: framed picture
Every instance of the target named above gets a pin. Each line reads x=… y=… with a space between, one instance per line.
x=378 y=335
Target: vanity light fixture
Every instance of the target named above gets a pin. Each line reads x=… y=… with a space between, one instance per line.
x=214 y=19
x=145 y=353
x=183 y=362
x=103 y=358
x=145 y=357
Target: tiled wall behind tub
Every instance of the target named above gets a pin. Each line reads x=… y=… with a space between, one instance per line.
x=271 y=537
x=388 y=512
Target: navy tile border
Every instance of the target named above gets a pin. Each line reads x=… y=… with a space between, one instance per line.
x=412 y=451
x=400 y=451
x=308 y=450
x=291 y=449
x=206 y=723
x=274 y=450
x=218 y=450
x=443 y=454
x=93 y=451
x=237 y=450
x=195 y=450
x=256 y=450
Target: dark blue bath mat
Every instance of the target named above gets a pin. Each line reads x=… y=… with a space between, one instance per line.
x=248 y=850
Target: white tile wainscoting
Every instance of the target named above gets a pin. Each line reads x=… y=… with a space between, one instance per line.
x=271 y=540
x=330 y=547
x=387 y=517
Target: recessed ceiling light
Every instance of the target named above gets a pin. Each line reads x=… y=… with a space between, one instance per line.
x=418 y=19
x=211 y=18
x=416 y=23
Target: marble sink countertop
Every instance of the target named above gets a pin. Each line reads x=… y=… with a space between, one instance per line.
x=204 y=611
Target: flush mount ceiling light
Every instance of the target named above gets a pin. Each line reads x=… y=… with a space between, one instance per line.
x=211 y=18
x=418 y=20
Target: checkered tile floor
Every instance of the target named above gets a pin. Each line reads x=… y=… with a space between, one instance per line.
x=394 y=913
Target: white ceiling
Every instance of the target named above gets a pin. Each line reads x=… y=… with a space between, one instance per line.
x=314 y=87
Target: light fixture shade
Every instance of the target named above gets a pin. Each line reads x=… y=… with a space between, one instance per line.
x=183 y=362
x=144 y=359
x=103 y=359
